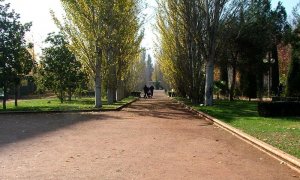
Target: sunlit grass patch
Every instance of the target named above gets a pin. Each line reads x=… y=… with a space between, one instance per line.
x=53 y=104
x=281 y=132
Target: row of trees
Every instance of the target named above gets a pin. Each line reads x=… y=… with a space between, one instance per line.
x=188 y=32
x=105 y=37
x=99 y=40
x=236 y=36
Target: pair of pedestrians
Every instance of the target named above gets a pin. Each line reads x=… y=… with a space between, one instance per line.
x=148 y=91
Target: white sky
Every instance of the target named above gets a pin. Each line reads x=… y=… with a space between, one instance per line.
x=37 y=12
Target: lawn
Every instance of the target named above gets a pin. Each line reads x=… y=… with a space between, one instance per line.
x=281 y=132
x=53 y=104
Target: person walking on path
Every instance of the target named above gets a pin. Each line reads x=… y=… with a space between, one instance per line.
x=152 y=89
x=146 y=89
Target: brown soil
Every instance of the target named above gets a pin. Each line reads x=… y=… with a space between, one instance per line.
x=151 y=139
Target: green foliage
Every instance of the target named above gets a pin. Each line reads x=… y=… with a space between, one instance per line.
x=39 y=79
x=182 y=52
x=249 y=32
x=249 y=83
x=240 y=35
x=60 y=70
x=158 y=78
x=293 y=81
x=220 y=87
x=106 y=38
x=16 y=61
x=136 y=79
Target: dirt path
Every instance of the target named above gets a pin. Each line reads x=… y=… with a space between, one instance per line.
x=151 y=139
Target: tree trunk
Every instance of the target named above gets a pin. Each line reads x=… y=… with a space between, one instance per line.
x=61 y=96
x=213 y=21
x=5 y=95
x=114 y=95
x=16 y=94
x=233 y=83
x=112 y=78
x=208 y=99
x=69 y=94
x=115 y=83
x=98 y=102
x=120 y=91
x=110 y=96
x=275 y=71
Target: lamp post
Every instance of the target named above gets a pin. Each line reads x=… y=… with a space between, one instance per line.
x=269 y=61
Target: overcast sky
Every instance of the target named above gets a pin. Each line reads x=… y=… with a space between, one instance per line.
x=37 y=12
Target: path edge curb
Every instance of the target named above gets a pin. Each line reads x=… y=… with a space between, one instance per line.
x=127 y=104
x=283 y=157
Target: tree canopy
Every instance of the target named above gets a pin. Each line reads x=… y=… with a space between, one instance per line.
x=105 y=37
x=62 y=72
x=16 y=61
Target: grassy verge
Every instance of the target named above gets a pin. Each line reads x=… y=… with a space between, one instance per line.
x=53 y=104
x=283 y=132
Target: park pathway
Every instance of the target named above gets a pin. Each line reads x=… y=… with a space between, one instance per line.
x=151 y=139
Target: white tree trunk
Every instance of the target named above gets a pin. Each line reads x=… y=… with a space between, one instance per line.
x=120 y=91
x=209 y=83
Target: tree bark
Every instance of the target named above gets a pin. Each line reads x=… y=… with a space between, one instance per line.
x=110 y=79
x=208 y=99
x=98 y=102
x=233 y=82
x=16 y=94
x=110 y=96
x=213 y=21
x=120 y=91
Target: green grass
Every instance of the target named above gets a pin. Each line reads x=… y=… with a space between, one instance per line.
x=281 y=132
x=53 y=104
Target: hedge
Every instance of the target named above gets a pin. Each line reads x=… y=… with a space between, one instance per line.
x=136 y=93
x=279 y=108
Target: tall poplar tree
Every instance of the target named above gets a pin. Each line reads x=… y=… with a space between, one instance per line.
x=105 y=36
x=84 y=26
x=189 y=31
x=211 y=14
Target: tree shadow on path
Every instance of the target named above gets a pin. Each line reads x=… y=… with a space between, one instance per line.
x=14 y=128
x=163 y=108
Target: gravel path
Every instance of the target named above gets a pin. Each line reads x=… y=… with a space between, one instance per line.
x=151 y=139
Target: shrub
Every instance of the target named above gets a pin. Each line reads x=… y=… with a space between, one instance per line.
x=280 y=108
x=293 y=82
x=136 y=93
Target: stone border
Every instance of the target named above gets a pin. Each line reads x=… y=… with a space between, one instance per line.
x=283 y=157
x=70 y=111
